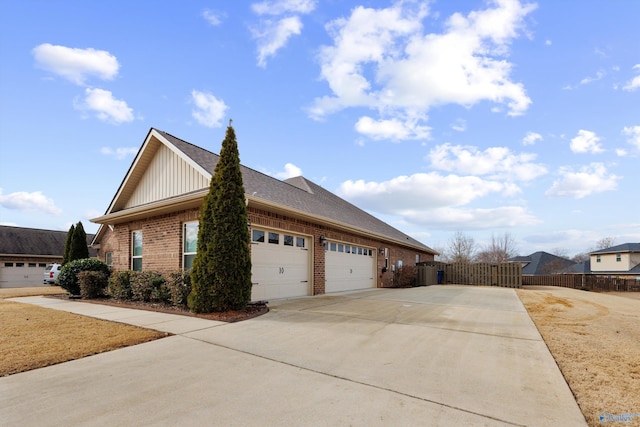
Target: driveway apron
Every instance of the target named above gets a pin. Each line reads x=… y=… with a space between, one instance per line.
x=439 y=355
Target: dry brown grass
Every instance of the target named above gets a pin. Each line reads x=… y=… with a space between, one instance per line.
x=595 y=340
x=33 y=337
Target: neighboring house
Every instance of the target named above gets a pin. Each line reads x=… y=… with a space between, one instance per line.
x=26 y=252
x=304 y=239
x=620 y=260
x=540 y=263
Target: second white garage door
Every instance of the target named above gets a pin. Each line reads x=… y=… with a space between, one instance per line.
x=279 y=265
x=348 y=267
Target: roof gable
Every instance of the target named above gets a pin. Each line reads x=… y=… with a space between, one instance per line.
x=296 y=196
x=160 y=170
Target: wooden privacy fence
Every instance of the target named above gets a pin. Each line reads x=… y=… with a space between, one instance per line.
x=584 y=281
x=506 y=275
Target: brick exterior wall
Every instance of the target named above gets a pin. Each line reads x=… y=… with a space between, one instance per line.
x=162 y=244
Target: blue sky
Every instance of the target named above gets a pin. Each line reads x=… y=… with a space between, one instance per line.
x=483 y=117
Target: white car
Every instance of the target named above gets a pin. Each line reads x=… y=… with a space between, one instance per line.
x=51 y=273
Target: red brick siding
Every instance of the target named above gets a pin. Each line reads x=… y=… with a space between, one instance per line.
x=162 y=243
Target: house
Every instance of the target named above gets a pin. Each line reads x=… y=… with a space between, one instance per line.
x=540 y=263
x=304 y=239
x=620 y=260
x=26 y=252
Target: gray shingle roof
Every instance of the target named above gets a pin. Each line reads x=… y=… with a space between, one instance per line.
x=542 y=263
x=300 y=194
x=625 y=247
x=32 y=241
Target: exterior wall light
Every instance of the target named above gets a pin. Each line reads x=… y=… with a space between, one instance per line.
x=322 y=240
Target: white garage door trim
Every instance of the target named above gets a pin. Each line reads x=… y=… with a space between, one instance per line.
x=280 y=263
x=348 y=267
x=18 y=274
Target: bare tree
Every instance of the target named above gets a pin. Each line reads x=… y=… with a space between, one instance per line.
x=581 y=257
x=500 y=249
x=462 y=248
x=605 y=242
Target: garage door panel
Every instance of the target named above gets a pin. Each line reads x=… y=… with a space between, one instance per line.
x=20 y=277
x=346 y=271
x=279 y=270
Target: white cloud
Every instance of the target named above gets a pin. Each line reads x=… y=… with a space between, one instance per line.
x=393 y=129
x=380 y=57
x=290 y=171
x=105 y=106
x=460 y=125
x=633 y=132
x=120 y=152
x=76 y=65
x=621 y=152
x=531 y=138
x=590 y=79
x=586 y=142
x=209 y=110
x=280 y=7
x=496 y=162
x=417 y=192
x=451 y=218
x=634 y=83
x=272 y=34
x=23 y=201
x=586 y=181
x=212 y=17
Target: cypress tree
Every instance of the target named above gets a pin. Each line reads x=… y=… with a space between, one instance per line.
x=67 y=245
x=78 y=248
x=221 y=271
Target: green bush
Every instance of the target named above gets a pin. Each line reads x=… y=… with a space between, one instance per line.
x=120 y=285
x=179 y=286
x=147 y=286
x=68 y=277
x=92 y=284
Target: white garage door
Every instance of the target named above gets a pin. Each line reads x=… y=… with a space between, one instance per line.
x=348 y=267
x=279 y=265
x=21 y=274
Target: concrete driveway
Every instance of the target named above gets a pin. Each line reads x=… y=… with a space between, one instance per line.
x=435 y=356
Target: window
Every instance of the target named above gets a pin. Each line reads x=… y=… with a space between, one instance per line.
x=288 y=240
x=8 y=264
x=597 y=258
x=108 y=259
x=618 y=257
x=42 y=265
x=32 y=264
x=257 y=236
x=300 y=242
x=274 y=238
x=189 y=244
x=341 y=248
x=136 y=252
x=19 y=264
x=417 y=258
x=332 y=246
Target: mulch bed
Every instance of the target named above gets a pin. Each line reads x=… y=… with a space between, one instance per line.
x=250 y=311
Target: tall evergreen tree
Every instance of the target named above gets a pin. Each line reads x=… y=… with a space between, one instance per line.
x=67 y=245
x=221 y=271
x=78 y=248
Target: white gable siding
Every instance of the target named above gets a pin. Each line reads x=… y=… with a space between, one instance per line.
x=168 y=175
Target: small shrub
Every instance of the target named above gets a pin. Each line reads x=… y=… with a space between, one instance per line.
x=68 y=277
x=179 y=286
x=405 y=277
x=147 y=286
x=120 y=285
x=92 y=284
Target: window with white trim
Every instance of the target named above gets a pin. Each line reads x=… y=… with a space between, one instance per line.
x=136 y=250
x=618 y=258
x=108 y=259
x=189 y=243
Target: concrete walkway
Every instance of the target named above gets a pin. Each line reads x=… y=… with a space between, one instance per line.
x=436 y=356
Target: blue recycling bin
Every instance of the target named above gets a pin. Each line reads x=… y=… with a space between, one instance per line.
x=440 y=276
